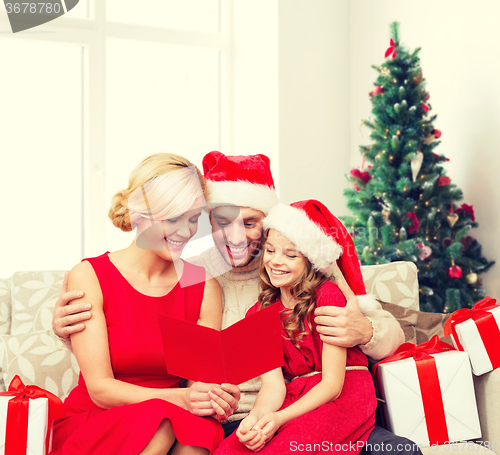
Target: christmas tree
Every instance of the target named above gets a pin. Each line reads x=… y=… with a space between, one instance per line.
x=405 y=207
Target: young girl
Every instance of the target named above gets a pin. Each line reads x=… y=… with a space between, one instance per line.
x=324 y=399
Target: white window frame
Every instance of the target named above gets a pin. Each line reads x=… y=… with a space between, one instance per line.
x=92 y=34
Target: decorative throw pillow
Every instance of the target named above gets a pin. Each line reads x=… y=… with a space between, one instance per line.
x=396 y=282
x=34 y=295
x=407 y=319
x=418 y=326
x=430 y=324
x=40 y=359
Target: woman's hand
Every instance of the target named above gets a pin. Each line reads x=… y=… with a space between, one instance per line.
x=252 y=439
x=68 y=319
x=224 y=399
x=204 y=399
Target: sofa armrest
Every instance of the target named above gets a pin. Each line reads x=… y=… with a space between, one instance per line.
x=488 y=403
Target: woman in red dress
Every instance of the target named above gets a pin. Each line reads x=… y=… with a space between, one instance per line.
x=323 y=401
x=125 y=401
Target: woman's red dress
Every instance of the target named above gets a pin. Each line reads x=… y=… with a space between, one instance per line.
x=340 y=426
x=136 y=352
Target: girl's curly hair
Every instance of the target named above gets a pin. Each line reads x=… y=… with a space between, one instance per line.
x=303 y=290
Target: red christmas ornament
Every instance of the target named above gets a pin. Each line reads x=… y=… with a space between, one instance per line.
x=391 y=50
x=425 y=95
x=455 y=272
x=467 y=208
x=365 y=177
x=376 y=91
x=356 y=187
x=415 y=224
x=424 y=107
x=437 y=133
x=443 y=181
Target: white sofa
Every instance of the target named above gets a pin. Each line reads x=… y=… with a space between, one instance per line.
x=28 y=347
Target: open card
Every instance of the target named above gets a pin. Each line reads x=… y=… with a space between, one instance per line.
x=242 y=351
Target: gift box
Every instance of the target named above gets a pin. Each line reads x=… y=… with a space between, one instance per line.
x=428 y=393
x=26 y=416
x=476 y=331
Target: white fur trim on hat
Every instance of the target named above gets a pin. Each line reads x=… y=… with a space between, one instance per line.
x=308 y=237
x=242 y=194
x=368 y=304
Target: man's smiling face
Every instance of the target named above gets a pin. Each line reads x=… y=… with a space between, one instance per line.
x=237 y=233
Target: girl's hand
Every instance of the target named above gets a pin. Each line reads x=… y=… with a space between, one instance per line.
x=250 y=438
x=269 y=424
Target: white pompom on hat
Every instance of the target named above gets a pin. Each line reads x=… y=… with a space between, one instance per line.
x=324 y=240
x=245 y=181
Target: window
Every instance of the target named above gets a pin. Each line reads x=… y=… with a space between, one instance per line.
x=84 y=99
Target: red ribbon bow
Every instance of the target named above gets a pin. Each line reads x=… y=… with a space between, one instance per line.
x=365 y=177
x=418 y=352
x=432 y=398
x=415 y=224
x=486 y=326
x=391 y=50
x=16 y=436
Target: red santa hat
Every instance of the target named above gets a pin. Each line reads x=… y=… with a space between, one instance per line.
x=245 y=181
x=324 y=240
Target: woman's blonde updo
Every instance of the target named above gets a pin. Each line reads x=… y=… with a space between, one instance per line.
x=156 y=192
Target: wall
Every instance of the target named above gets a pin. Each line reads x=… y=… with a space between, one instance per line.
x=254 y=104
x=460 y=59
x=313 y=100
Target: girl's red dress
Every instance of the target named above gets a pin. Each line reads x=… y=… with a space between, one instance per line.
x=136 y=351
x=340 y=426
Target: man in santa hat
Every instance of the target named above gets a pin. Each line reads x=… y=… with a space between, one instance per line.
x=240 y=194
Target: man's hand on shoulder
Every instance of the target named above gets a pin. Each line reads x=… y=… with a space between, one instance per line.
x=68 y=319
x=345 y=327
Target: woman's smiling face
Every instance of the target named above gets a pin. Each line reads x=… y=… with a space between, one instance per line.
x=169 y=237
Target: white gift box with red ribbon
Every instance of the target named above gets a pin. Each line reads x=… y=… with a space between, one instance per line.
x=476 y=330
x=37 y=425
x=429 y=396
x=26 y=416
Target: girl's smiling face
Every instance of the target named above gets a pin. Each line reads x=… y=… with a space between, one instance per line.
x=283 y=262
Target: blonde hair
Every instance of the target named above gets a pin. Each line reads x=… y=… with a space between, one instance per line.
x=156 y=192
x=303 y=290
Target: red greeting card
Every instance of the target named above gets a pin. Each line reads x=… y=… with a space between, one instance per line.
x=234 y=355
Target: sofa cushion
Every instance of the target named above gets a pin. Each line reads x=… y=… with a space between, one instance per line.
x=5 y=306
x=34 y=295
x=396 y=282
x=38 y=358
x=418 y=326
x=407 y=319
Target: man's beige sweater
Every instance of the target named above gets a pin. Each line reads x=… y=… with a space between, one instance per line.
x=240 y=290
